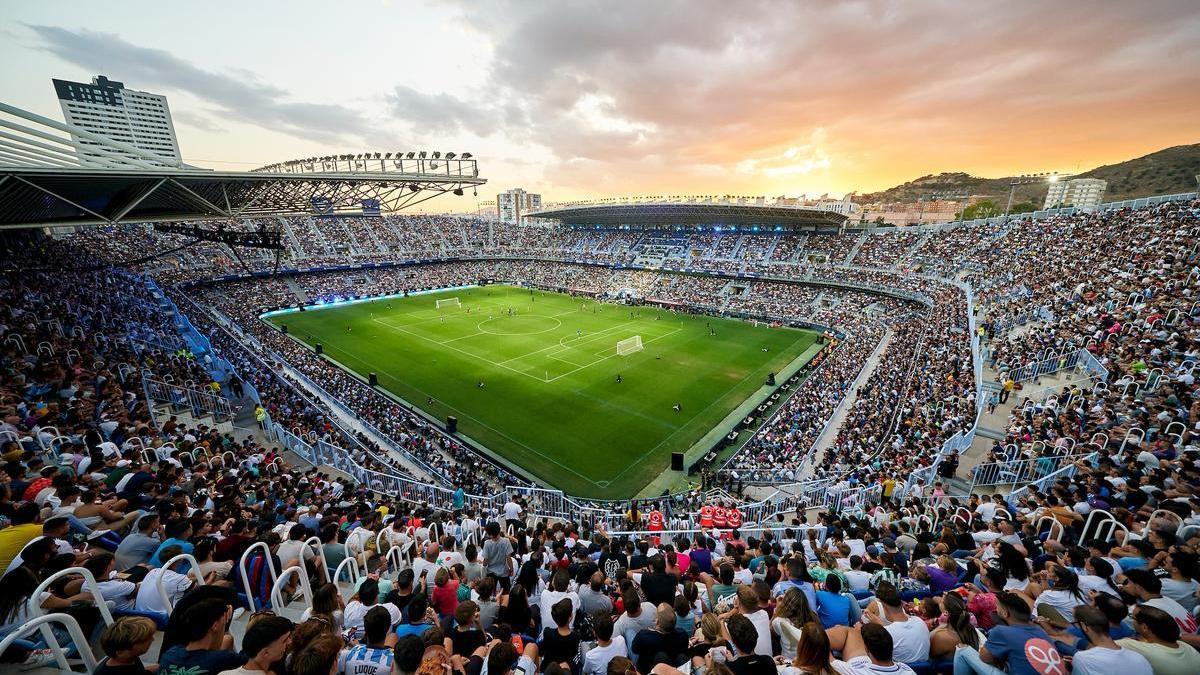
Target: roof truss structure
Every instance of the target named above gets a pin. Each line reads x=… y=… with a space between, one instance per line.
x=46 y=180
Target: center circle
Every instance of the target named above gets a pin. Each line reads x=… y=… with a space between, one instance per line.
x=520 y=324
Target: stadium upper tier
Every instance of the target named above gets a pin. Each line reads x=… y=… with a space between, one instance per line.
x=711 y=213
x=314 y=242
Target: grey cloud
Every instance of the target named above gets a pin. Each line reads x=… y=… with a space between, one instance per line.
x=236 y=96
x=444 y=113
x=195 y=120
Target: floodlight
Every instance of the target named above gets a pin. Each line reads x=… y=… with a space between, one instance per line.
x=466 y=155
x=422 y=154
x=449 y=155
x=458 y=192
x=414 y=187
x=410 y=155
x=437 y=155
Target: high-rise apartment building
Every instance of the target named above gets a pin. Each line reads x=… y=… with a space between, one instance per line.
x=511 y=205
x=107 y=108
x=1082 y=193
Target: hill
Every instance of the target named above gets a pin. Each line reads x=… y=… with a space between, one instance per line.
x=1164 y=172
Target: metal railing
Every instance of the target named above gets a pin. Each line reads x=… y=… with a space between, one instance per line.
x=1020 y=471
x=197 y=401
x=1064 y=472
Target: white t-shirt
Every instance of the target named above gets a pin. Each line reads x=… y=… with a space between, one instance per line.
x=119 y=591
x=910 y=640
x=1091 y=582
x=352 y=616
x=1187 y=624
x=420 y=565
x=857 y=546
x=762 y=623
x=859 y=580
x=512 y=511
x=294 y=550
x=1103 y=661
x=1063 y=600
x=862 y=665
x=986 y=511
x=597 y=658
x=174 y=583
x=550 y=598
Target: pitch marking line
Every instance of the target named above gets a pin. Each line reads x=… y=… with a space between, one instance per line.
x=685 y=425
x=595 y=335
x=601 y=360
x=484 y=424
x=460 y=351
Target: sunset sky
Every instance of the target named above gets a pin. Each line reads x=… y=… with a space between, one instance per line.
x=591 y=99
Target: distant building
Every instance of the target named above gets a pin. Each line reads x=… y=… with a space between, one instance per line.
x=921 y=212
x=107 y=108
x=512 y=204
x=1082 y=193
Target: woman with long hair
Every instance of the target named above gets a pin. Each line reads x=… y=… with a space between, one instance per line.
x=791 y=613
x=1015 y=567
x=529 y=579
x=19 y=585
x=708 y=635
x=515 y=611
x=326 y=602
x=813 y=652
x=1061 y=591
x=956 y=629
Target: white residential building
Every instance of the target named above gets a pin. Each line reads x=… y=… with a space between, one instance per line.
x=107 y=108
x=512 y=204
x=1082 y=193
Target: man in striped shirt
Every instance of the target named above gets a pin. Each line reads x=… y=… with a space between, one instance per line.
x=374 y=656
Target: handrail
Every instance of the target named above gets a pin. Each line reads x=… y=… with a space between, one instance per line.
x=193 y=569
x=89 y=582
x=277 y=598
x=315 y=542
x=353 y=567
x=242 y=569
x=42 y=623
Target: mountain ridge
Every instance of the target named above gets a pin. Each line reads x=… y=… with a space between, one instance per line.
x=1168 y=171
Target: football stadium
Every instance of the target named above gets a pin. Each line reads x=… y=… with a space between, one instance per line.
x=284 y=394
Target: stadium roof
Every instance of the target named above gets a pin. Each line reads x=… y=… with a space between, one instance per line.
x=636 y=213
x=59 y=174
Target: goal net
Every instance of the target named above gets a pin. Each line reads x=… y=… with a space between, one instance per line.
x=448 y=302
x=629 y=345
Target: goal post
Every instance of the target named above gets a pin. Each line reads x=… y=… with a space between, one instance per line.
x=448 y=302
x=629 y=345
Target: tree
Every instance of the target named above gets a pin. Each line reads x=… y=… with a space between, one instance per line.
x=1023 y=207
x=984 y=209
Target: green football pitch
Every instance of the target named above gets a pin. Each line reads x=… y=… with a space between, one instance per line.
x=550 y=401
